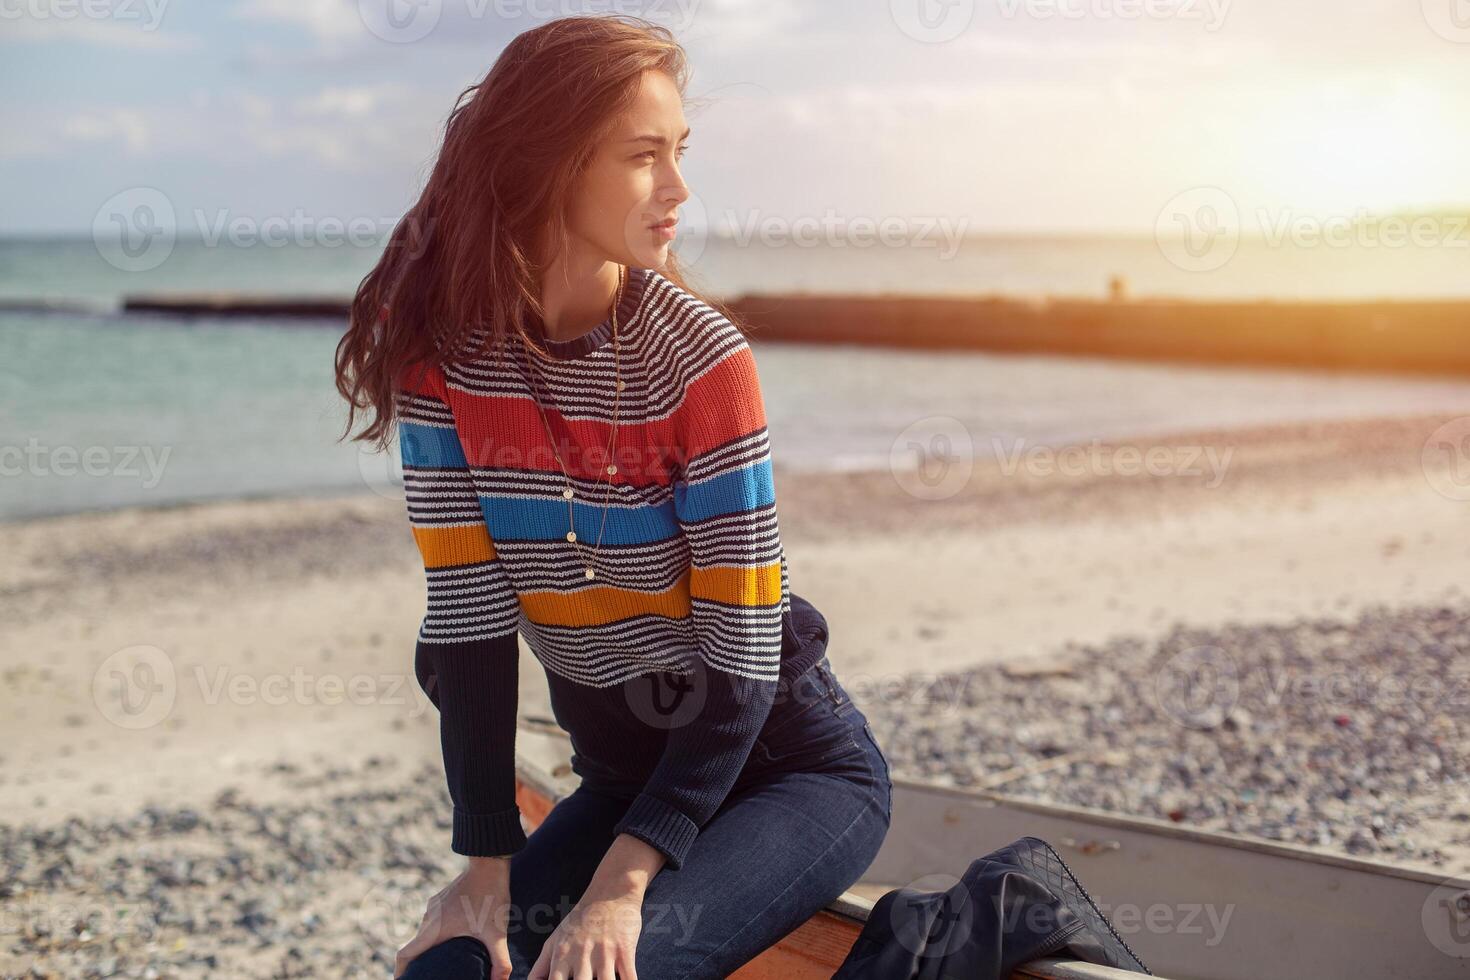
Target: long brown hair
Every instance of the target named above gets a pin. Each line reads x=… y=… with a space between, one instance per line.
x=464 y=258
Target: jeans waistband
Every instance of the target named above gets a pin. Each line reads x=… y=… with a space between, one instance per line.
x=818 y=680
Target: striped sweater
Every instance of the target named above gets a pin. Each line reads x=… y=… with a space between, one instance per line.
x=663 y=666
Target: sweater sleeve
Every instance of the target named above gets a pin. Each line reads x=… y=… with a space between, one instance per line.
x=724 y=500
x=467 y=653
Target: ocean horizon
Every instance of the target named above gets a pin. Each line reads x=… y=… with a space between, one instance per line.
x=104 y=411
x=173 y=409
x=75 y=269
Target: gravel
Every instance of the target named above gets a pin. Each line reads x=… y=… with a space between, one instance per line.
x=329 y=887
x=1352 y=736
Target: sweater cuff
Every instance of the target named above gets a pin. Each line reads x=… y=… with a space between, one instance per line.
x=660 y=825
x=487 y=834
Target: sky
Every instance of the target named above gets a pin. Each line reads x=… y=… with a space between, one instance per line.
x=996 y=116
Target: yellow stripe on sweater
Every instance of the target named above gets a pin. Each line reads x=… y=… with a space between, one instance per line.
x=596 y=606
x=445 y=545
x=737 y=586
x=605 y=604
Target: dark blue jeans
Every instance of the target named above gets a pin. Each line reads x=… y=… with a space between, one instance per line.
x=802 y=823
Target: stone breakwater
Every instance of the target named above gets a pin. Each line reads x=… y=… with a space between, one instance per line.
x=1352 y=736
x=1408 y=336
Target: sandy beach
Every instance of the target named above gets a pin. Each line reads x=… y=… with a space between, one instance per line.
x=213 y=730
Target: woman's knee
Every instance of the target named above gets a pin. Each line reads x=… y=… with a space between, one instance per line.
x=460 y=958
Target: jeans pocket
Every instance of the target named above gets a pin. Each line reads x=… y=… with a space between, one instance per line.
x=818 y=735
x=796 y=702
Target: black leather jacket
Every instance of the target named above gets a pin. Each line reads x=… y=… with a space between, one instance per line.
x=1015 y=904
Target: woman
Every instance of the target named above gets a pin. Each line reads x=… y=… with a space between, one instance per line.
x=586 y=465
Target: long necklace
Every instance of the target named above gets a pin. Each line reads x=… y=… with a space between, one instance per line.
x=611 y=467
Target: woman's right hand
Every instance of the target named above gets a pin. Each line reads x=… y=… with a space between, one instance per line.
x=476 y=903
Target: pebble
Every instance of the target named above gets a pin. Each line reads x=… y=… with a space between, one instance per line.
x=331 y=886
x=1300 y=732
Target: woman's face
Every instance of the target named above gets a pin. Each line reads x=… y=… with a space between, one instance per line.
x=633 y=183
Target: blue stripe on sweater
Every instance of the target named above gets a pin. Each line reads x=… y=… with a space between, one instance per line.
x=430 y=446
x=732 y=492
x=528 y=519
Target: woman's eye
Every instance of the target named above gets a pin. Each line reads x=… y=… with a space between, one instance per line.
x=651 y=155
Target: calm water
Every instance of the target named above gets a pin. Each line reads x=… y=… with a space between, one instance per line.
x=103 y=410
x=1080 y=267
x=108 y=411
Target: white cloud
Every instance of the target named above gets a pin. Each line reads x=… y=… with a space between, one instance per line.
x=338 y=129
x=26 y=143
x=342 y=128
x=105 y=32
x=1207 y=51
x=744 y=21
x=327 y=20
x=115 y=123
x=343 y=101
x=252 y=105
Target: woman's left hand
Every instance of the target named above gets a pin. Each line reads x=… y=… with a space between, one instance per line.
x=596 y=941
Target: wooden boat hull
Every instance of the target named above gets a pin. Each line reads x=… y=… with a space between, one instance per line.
x=1194 y=905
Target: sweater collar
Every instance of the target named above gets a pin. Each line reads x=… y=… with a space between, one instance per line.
x=601 y=335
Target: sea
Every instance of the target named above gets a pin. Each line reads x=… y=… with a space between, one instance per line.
x=100 y=409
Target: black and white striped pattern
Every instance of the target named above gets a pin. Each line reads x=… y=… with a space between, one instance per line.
x=672 y=339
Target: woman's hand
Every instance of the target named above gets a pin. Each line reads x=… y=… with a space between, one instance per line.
x=597 y=940
x=476 y=903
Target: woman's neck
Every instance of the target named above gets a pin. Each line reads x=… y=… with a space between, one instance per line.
x=575 y=304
